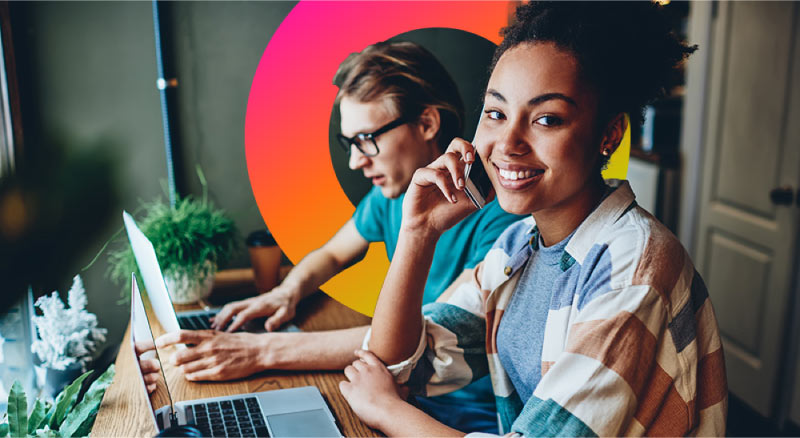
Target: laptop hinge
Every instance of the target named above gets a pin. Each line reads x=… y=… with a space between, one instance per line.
x=173 y=419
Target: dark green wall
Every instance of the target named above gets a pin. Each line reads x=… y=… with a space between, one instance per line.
x=466 y=57
x=87 y=73
x=217 y=48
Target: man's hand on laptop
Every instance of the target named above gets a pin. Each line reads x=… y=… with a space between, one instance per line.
x=215 y=355
x=278 y=305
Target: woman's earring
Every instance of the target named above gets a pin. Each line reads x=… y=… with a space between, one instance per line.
x=606 y=152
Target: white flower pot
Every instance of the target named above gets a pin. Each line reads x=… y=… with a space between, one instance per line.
x=187 y=287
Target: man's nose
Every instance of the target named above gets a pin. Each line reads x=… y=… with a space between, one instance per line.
x=357 y=158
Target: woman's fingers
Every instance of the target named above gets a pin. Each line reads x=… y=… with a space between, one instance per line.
x=427 y=176
x=350 y=372
x=459 y=153
x=455 y=165
x=368 y=357
x=463 y=148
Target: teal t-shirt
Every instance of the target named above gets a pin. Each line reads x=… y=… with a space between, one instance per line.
x=377 y=219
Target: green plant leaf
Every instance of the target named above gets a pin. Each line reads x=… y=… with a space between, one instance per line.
x=36 y=416
x=17 y=411
x=46 y=433
x=79 y=422
x=184 y=238
x=65 y=400
x=3 y=429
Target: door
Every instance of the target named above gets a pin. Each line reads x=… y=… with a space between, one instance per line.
x=745 y=245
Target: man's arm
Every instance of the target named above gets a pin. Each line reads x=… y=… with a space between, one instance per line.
x=226 y=356
x=327 y=350
x=346 y=247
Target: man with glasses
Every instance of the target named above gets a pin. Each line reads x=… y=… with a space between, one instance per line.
x=399 y=111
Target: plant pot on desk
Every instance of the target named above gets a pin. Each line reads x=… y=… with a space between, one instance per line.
x=190 y=285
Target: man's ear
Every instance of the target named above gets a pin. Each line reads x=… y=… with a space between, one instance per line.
x=429 y=123
x=612 y=136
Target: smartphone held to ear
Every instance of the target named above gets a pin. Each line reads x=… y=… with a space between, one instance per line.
x=478 y=187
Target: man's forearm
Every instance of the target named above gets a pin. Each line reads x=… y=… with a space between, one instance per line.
x=311 y=272
x=326 y=350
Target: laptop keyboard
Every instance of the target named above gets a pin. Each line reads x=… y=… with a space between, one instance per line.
x=230 y=418
x=194 y=322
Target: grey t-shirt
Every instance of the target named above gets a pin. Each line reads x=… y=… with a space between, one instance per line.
x=521 y=332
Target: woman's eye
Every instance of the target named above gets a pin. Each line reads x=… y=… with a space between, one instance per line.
x=549 y=121
x=494 y=115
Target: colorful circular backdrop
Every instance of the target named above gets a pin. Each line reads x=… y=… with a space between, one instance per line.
x=288 y=113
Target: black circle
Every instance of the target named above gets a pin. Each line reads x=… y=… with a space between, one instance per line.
x=466 y=57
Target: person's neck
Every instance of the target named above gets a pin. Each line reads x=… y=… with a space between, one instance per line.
x=435 y=151
x=558 y=222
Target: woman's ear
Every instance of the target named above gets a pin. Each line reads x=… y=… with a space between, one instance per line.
x=613 y=134
x=429 y=123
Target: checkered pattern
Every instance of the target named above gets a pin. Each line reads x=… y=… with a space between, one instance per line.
x=631 y=344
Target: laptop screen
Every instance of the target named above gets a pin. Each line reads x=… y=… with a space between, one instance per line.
x=147 y=360
x=152 y=277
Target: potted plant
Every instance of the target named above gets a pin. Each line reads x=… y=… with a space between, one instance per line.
x=190 y=239
x=65 y=417
x=67 y=337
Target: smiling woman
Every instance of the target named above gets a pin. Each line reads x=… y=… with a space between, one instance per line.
x=588 y=315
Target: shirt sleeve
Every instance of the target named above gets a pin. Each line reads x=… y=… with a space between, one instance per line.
x=452 y=348
x=369 y=216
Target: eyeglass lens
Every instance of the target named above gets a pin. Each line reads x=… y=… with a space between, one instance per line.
x=364 y=142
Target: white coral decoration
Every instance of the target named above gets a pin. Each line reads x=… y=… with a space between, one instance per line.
x=66 y=335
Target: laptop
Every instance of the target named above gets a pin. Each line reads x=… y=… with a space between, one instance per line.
x=156 y=289
x=293 y=412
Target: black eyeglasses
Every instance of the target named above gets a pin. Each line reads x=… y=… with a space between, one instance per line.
x=365 y=142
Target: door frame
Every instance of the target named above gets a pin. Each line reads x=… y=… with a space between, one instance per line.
x=695 y=113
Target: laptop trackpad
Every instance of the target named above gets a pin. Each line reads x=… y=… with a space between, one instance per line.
x=306 y=423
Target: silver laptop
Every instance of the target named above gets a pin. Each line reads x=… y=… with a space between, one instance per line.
x=294 y=412
x=156 y=289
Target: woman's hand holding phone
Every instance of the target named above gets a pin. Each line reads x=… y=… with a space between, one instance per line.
x=435 y=199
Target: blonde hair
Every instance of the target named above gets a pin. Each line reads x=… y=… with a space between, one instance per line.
x=409 y=77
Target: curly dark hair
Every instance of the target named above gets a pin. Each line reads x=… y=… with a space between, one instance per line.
x=626 y=50
x=410 y=77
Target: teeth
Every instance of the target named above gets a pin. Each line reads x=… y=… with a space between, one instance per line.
x=516 y=175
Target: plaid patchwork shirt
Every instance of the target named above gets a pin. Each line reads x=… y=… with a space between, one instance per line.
x=631 y=344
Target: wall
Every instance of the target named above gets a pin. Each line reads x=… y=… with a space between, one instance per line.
x=87 y=75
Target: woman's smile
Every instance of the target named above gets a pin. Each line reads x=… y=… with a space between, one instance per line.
x=516 y=177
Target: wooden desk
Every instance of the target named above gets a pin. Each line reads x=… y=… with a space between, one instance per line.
x=124 y=411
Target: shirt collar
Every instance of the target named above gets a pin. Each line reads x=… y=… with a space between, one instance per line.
x=609 y=211
x=606 y=214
